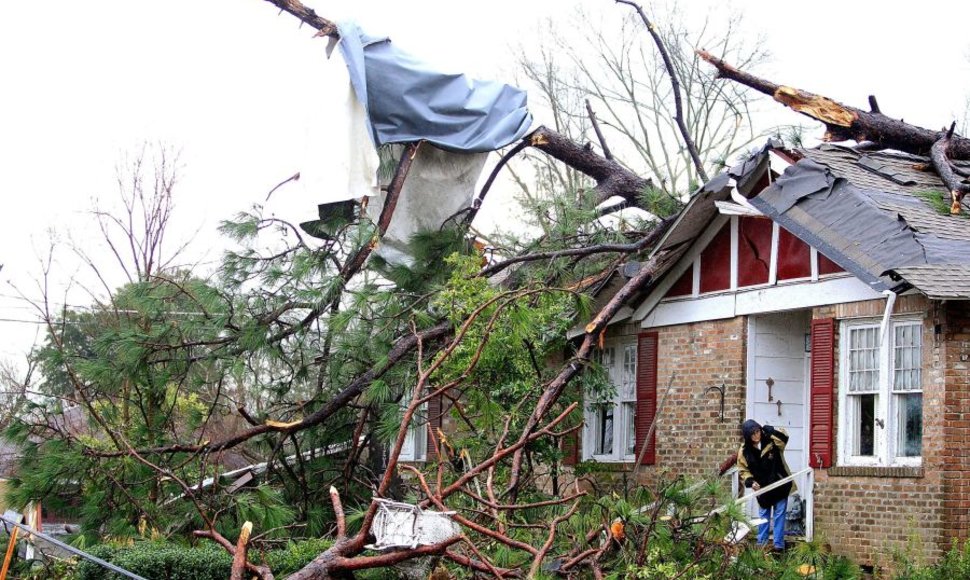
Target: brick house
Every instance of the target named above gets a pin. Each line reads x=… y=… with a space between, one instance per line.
x=820 y=291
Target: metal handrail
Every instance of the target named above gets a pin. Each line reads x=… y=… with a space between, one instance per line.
x=731 y=470
x=764 y=489
x=73 y=550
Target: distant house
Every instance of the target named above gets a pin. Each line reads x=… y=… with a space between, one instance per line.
x=827 y=294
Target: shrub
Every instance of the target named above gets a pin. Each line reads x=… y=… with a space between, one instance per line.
x=954 y=564
x=166 y=561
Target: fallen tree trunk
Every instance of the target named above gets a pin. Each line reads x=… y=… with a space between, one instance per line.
x=843 y=122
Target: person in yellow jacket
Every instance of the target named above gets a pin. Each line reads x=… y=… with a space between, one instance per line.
x=761 y=462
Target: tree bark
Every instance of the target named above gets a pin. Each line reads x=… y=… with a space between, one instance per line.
x=611 y=177
x=843 y=122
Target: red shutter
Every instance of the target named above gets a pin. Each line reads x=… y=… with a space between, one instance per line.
x=823 y=393
x=646 y=395
x=434 y=423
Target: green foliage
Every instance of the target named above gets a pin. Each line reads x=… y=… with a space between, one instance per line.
x=428 y=250
x=166 y=561
x=660 y=203
x=909 y=564
x=939 y=201
x=158 y=560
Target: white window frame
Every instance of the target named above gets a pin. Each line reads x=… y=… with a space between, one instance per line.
x=885 y=452
x=622 y=372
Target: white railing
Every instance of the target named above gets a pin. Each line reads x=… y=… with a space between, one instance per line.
x=806 y=483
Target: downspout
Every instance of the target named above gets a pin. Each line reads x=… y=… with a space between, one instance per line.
x=890 y=302
x=882 y=416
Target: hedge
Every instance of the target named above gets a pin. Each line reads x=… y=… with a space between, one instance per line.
x=165 y=561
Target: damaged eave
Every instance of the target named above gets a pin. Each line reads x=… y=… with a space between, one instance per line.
x=937 y=281
x=702 y=209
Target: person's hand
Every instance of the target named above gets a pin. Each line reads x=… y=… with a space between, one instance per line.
x=755 y=486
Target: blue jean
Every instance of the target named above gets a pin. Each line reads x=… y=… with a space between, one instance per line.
x=777 y=523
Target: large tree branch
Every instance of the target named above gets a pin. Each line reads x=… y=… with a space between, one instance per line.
x=941 y=162
x=307 y=16
x=843 y=122
x=611 y=177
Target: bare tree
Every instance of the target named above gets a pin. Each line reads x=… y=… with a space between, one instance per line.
x=628 y=83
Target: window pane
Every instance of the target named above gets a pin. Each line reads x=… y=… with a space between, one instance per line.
x=629 y=422
x=909 y=426
x=628 y=387
x=603 y=444
x=863 y=359
x=407 y=450
x=907 y=359
x=864 y=412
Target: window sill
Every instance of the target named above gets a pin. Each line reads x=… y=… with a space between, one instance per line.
x=875 y=471
x=610 y=464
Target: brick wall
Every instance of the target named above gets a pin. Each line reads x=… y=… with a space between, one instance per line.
x=691 y=439
x=867 y=513
x=955 y=329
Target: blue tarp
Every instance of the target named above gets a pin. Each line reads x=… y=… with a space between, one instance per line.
x=406 y=100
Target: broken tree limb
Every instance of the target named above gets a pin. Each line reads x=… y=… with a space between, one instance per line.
x=941 y=162
x=263 y=572
x=554 y=389
x=675 y=85
x=338 y=512
x=308 y=16
x=242 y=549
x=843 y=122
x=599 y=132
x=611 y=177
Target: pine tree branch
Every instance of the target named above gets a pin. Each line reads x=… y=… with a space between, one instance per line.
x=401 y=349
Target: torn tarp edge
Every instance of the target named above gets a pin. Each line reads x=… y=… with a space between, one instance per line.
x=407 y=100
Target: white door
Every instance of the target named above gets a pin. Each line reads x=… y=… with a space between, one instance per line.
x=777 y=378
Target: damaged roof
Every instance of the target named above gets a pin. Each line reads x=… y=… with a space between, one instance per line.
x=701 y=208
x=870 y=213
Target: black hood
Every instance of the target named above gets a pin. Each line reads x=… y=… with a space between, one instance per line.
x=749 y=428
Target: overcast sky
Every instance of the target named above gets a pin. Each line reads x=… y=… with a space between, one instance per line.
x=82 y=81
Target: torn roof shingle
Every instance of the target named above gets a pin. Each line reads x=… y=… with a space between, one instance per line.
x=868 y=212
x=939 y=281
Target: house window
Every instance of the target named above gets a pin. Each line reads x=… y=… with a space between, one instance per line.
x=610 y=416
x=415 y=446
x=882 y=393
